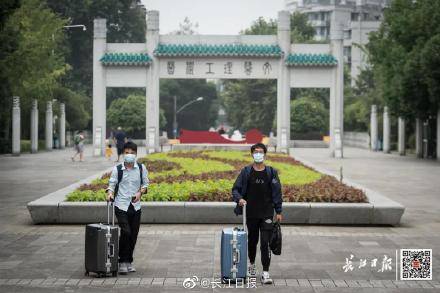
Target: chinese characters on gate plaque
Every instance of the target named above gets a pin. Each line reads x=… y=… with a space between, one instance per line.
x=229 y=67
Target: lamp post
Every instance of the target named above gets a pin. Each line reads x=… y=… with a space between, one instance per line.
x=180 y=110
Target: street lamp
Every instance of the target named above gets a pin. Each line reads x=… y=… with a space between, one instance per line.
x=180 y=110
x=76 y=25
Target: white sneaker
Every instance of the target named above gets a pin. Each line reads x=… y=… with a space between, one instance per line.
x=265 y=278
x=252 y=270
x=123 y=269
x=130 y=267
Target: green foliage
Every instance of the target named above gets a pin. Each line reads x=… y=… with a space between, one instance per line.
x=299 y=182
x=308 y=115
x=129 y=113
x=301 y=30
x=36 y=64
x=404 y=54
x=188 y=166
x=250 y=104
x=77 y=106
x=125 y=23
x=182 y=191
x=87 y=195
x=358 y=100
x=200 y=115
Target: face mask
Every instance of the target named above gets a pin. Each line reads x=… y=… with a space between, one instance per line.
x=258 y=157
x=129 y=158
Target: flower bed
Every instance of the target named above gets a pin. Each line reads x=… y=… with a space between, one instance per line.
x=209 y=176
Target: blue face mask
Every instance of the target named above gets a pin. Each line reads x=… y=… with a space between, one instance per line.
x=129 y=158
x=258 y=157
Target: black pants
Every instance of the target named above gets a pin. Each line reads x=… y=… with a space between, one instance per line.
x=257 y=227
x=129 y=223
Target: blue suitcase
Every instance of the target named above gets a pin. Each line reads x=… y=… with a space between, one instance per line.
x=234 y=253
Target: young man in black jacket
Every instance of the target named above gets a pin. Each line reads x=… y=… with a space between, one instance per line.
x=259 y=187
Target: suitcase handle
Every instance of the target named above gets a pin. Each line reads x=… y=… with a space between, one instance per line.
x=237 y=256
x=111 y=250
x=244 y=218
x=113 y=212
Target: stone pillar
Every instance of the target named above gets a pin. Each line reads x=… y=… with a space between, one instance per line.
x=99 y=86
x=62 y=126
x=438 y=134
x=152 y=92
x=49 y=126
x=283 y=83
x=34 y=126
x=419 y=138
x=401 y=137
x=373 y=128
x=386 y=130
x=337 y=89
x=16 y=126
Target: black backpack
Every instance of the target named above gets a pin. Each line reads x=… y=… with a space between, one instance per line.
x=276 y=239
x=119 y=168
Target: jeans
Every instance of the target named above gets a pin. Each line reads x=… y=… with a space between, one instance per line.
x=257 y=228
x=129 y=223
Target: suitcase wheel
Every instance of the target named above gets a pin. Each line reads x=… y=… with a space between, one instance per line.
x=86 y=273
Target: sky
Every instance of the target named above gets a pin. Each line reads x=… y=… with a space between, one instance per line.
x=215 y=17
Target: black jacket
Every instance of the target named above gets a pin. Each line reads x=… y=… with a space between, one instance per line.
x=240 y=187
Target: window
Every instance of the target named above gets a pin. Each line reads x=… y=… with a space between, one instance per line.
x=354 y=16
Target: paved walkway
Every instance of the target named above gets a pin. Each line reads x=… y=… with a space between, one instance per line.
x=39 y=258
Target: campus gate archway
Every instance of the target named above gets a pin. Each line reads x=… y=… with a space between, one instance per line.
x=217 y=57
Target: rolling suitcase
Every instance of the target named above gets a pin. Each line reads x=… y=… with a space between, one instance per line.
x=102 y=247
x=234 y=253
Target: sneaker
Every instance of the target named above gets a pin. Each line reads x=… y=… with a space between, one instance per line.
x=252 y=270
x=130 y=267
x=265 y=278
x=123 y=269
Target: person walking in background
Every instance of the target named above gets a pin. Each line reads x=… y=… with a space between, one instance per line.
x=119 y=138
x=259 y=187
x=78 y=145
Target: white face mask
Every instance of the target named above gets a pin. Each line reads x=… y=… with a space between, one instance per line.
x=129 y=158
x=258 y=157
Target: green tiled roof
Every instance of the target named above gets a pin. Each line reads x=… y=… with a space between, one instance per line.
x=138 y=59
x=224 y=50
x=311 y=60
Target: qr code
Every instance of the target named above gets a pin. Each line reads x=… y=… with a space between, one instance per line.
x=416 y=264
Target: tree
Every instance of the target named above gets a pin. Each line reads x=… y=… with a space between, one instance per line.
x=31 y=59
x=199 y=116
x=187 y=27
x=301 y=30
x=403 y=55
x=34 y=68
x=250 y=103
x=8 y=44
x=125 y=23
x=129 y=113
x=308 y=116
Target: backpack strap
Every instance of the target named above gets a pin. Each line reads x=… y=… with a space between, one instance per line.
x=119 y=168
x=269 y=171
x=140 y=171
